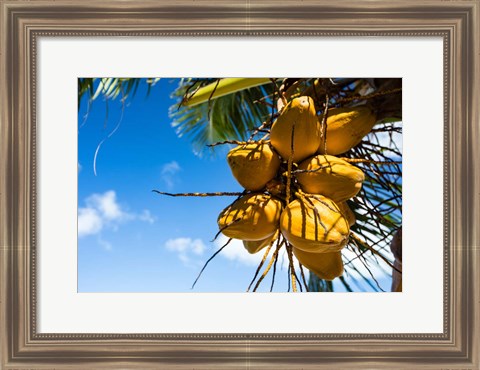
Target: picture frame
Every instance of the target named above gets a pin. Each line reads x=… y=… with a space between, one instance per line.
x=23 y=22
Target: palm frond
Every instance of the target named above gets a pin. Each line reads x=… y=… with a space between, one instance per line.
x=222 y=87
x=229 y=117
x=111 y=88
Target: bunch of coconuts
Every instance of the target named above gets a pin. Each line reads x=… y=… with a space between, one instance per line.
x=297 y=187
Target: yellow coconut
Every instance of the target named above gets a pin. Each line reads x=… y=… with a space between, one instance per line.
x=347 y=213
x=326 y=266
x=332 y=177
x=346 y=127
x=251 y=217
x=254 y=246
x=298 y=117
x=253 y=164
x=314 y=224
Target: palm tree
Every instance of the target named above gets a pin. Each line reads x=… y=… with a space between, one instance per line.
x=241 y=112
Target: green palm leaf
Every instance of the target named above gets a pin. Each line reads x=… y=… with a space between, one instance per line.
x=229 y=117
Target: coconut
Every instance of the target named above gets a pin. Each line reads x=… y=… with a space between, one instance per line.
x=347 y=213
x=326 y=266
x=314 y=224
x=253 y=164
x=254 y=246
x=299 y=118
x=251 y=217
x=331 y=176
x=346 y=127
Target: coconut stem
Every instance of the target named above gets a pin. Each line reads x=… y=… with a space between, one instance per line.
x=305 y=196
x=211 y=258
x=237 y=142
x=359 y=240
x=218 y=194
x=264 y=125
x=267 y=269
x=292 y=267
x=303 y=277
x=360 y=160
x=319 y=168
x=371 y=96
x=290 y=163
x=323 y=126
x=223 y=228
x=273 y=274
x=265 y=255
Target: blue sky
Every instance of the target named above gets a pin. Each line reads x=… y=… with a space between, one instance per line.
x=133 y=240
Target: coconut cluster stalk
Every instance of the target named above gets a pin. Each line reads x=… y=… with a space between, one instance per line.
x=306 y=178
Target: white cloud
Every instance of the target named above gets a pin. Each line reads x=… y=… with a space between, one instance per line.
x=184 y=245
x=235 y=251
x=146 y=216
x=169 y=170
x=103 y=210
x=105 y=245
x=107 y=205
x=186 y=248
x=89 y=222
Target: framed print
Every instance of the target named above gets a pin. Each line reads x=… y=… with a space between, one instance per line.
x=63 y=305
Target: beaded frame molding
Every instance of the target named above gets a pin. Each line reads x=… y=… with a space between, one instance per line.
x=24 y=22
